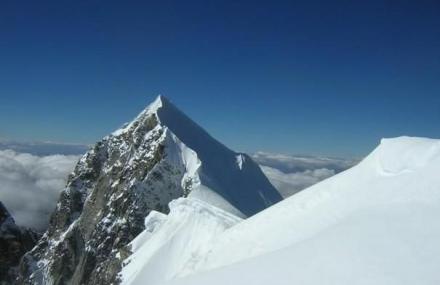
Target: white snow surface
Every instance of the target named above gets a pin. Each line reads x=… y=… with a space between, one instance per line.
x=376 y=223
x=173 y=246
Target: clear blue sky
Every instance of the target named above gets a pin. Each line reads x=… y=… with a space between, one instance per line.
x=314 y=77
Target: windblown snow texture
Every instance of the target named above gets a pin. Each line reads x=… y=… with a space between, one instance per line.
x=172 y=245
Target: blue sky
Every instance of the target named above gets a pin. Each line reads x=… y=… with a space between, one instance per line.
x=313 y=77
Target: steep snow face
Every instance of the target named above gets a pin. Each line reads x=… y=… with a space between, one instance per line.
x=173 y=246
x=376 y=223
x=235 y=177
x=229 y=180
x=158 y=157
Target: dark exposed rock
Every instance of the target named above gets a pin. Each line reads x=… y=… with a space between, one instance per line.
x=113 y=187
x=15 y=241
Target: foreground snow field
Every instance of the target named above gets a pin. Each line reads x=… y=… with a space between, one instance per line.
x=376 y=223
x=172 y=246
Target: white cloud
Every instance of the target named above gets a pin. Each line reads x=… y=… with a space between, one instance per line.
x=43 y=148
x=30 y=185
x=290 y=174
x=296 y=163
x=290 y=183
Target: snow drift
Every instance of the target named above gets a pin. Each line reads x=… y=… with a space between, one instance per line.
x=376 y=223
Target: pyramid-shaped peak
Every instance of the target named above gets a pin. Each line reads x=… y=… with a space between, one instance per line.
x=240 y=183
x=162 y=99
x=160 y=102
x=159 y=105
x=155 y=105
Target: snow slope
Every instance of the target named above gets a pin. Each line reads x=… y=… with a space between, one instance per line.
x=376 y=223
x=171 y=246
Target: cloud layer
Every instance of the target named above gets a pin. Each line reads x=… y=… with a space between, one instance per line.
x=44 y=148
x=290 y=174
x=30 y=182
x=30 y=185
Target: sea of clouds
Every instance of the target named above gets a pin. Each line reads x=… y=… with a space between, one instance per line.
x=32 y=175
x=291 y=174
x=30 y=184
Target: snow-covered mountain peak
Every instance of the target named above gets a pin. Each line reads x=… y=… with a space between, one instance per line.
x=158 y=103
x=159 y=156
x=142 y=117
x=223 y=178
x=168 y=115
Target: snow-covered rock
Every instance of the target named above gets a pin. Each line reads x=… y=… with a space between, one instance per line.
x=158 y=157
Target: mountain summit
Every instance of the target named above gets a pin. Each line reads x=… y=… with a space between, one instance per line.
x=160 y=156
x=220 y=175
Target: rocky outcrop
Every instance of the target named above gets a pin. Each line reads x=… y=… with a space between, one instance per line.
x=15 y=241
x=113 y=187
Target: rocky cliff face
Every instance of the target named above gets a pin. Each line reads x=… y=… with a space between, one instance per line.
x=14 y=242
x=135 y=170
